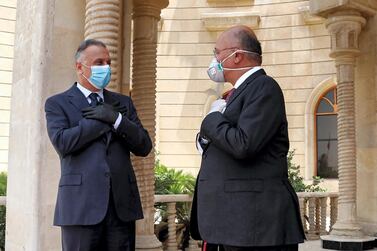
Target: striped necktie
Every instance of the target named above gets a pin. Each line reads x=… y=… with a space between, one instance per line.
x=95 y=99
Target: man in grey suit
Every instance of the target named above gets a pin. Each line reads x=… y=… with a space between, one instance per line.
x=94 y=131
x=243 y=199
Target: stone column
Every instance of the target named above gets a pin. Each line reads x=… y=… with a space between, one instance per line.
x=47 y=35
x=146 y=15
x=344 y=28
x=344 y=22
x=103 y=21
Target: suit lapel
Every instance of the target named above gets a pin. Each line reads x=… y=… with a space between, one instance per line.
x=77 y=98
x=249 y=80
x=108 y=97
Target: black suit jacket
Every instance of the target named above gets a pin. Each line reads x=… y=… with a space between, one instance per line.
x=243 y=197
x=89 y=163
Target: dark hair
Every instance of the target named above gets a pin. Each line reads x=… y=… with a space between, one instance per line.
x=249 y=42
x=85 y=44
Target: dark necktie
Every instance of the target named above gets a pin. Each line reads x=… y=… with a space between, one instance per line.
x=95 y=99
x=227 y=94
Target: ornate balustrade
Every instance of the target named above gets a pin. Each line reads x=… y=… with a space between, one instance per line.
x=318 y=212
x=171 y=200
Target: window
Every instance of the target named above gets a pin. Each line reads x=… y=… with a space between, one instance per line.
x=326 y=135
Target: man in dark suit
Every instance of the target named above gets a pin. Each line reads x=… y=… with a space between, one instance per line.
x=243 y=199
x=94 y=131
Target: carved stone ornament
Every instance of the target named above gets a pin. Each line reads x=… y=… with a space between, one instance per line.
x=219 y=21
x=344 y=31
x=308 y=17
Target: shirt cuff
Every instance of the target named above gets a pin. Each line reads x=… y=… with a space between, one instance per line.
x=117 y=122
x=199 y=147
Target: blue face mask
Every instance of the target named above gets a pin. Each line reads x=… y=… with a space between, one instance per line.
x=100 y=76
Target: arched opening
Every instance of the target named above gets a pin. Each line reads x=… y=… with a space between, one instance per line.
x=326 y=138
x=310 y=126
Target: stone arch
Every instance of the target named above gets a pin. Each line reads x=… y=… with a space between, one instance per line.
x=310 y=107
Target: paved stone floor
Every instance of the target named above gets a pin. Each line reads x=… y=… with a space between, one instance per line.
x=311 y=246
x=314 y=246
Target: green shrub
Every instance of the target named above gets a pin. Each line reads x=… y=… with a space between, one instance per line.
x=172 y=181
x=297 y=180
x=3 y=192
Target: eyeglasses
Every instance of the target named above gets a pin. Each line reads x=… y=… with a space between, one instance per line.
x=217 y=51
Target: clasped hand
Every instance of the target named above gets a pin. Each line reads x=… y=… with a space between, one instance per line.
x=217 y=106
x=107 y=113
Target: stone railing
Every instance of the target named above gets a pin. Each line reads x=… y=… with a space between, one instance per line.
x=3 y=200
x=171 y=200
x=318 y=213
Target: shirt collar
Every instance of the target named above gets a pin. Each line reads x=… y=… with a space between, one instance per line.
x=246 y=75
x=87 y=92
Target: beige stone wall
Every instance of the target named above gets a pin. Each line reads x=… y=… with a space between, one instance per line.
x=7 y=29
x=366 y=128
x=295 y=52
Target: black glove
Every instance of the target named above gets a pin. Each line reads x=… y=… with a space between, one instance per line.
x=119 y=108
x=103 y=112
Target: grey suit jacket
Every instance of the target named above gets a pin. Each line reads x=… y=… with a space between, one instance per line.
x=89 y=163
x=243 y=196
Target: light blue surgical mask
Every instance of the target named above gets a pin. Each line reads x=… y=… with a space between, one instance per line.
x=100 y=76
x=216 y=70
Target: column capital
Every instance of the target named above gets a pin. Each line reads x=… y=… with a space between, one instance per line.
x=148 y=7
x=328 y=7
x=344 y=28
x=345 y=19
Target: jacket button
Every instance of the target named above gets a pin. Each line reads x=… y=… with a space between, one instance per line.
x=107 y=174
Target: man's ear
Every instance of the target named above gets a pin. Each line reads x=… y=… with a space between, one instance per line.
x=238 y=57
x=79 y=68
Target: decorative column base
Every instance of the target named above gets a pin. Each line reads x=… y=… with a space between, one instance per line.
x=336 y=242
x=347 y=236
x=148 y=243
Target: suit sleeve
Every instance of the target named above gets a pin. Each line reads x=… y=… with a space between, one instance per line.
x=261 y=116
x=133 y=134
x=66 y=139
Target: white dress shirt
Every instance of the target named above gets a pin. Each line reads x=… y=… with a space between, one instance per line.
x=87 y=92
x=246 y=75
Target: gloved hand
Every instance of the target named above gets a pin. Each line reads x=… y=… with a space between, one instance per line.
x=104 y=112
x=217 y=106
x=119 y=108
